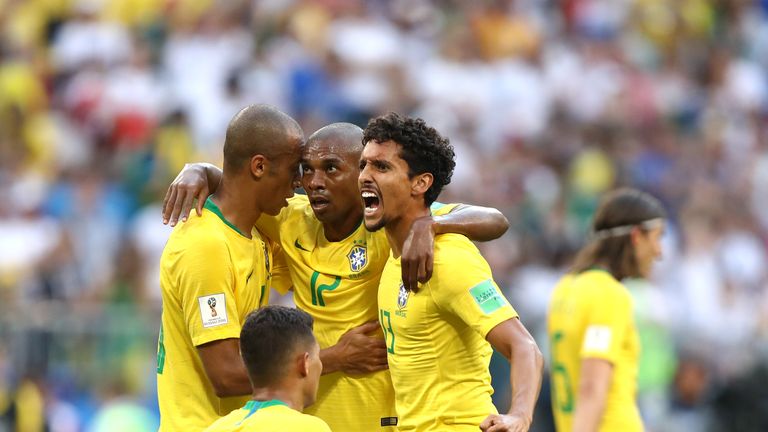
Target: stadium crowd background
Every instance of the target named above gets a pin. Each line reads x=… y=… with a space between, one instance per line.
x=548 y=103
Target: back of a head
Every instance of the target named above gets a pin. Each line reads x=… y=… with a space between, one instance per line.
x=269 y=337
x=618 y=212
x=422 y=147
x=259 y=129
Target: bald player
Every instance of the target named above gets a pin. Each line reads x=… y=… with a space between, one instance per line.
x=215 y=269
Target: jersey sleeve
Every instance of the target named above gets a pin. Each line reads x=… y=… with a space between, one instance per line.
x=608 y=323
x=462 y=284
x=281 y=276
x=440 y=209
x=207 y=292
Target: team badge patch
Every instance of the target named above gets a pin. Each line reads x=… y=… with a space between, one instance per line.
x=213 y=310
x=402 y=297
x=358 y=257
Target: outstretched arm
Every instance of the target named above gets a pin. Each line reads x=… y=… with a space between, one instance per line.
x=197 y=180
x=477 y=223
x=512 y=340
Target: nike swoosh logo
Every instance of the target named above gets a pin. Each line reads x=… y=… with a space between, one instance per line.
x=299 y=246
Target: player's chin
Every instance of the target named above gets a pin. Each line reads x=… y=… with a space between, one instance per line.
x=274 y=211
x=374 y=223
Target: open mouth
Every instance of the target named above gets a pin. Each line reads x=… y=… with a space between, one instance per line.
x=370 y=201
x=318 y=203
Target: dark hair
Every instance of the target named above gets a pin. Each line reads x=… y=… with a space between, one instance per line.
x=268 y=338
x=621 y=208
x=421 y=146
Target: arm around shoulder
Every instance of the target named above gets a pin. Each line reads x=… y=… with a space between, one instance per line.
x=476 y=222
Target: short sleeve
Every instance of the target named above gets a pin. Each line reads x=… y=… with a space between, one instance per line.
x=440 y=209
x=607 y=325
x=462 y=284
x=206 y=291
x=281 y=276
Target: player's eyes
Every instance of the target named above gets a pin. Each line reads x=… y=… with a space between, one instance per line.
x=331 y=169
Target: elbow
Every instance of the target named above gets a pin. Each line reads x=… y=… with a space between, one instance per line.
x=538 y=358
x=223 y=388
x=500 y=226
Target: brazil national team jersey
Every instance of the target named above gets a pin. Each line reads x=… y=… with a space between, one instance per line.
x=590 y=316
x=436 y=346
x=211 y=277
x=337 y=284
x=268 y=416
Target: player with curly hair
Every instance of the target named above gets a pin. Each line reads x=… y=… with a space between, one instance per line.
x=439 y=336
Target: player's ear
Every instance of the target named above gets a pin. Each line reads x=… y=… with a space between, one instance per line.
x=258 y=166
x=421 y=183
x=303 y=364
x=634 y=235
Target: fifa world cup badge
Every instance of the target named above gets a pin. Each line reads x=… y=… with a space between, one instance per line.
x=212 y=305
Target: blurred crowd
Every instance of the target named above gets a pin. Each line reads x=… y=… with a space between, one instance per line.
x=548 y=103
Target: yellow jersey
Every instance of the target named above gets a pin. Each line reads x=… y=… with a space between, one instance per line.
x=337 y=284
x=436 y=346
x=268 y=416
x=211 y=277
x=590 y=316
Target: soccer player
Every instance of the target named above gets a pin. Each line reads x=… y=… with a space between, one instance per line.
x=283 y=362
x=335 y=265
x=215 y=269
x=595 y=346
x=438 y=335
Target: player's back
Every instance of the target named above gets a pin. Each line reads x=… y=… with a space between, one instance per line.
x=437 y=352
x=590 y=316
x=268 y=416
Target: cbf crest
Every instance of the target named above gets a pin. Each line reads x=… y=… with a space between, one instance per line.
x=358 y=257
x=402 y=297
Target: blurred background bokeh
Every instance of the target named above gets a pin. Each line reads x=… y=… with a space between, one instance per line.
x=548 y=104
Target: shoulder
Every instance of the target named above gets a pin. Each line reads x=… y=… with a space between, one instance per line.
x=438 y=208
x=199 y=235
x=315 y=424
x=602 y=287
x=454 y=248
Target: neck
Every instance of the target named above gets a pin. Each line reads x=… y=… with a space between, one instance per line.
x=398 y=230
x=290 y=395
x=339 y=230
x=238 y=210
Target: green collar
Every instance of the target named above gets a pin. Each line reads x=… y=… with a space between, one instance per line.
x=212 y=207
x=253 y=405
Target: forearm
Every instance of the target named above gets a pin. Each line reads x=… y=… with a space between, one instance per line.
x=589 y=411
x=525 y=378
x=592 y=394
x=213 y=175
x=330 y=359
x=477 y=223
x=235 y=382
